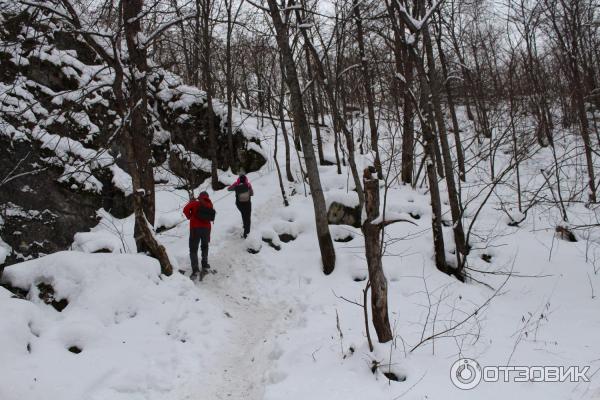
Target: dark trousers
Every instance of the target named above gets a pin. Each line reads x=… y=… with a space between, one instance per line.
x=246 y=210
x=199 y=236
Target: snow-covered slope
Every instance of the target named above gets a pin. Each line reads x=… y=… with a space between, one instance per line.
x=126 y=332
x=271 y=326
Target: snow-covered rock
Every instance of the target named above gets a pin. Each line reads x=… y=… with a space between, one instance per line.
x=60 y=135
x=98 y=346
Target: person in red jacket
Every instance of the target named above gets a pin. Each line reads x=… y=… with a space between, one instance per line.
x=201 y=213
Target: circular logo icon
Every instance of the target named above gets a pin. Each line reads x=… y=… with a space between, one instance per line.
x=465 y=373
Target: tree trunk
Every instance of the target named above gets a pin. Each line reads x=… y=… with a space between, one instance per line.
x=314 y=109
x=372 y=234
x=404 y=77
x=436 y=206
x=513 y=131
x=208 y=83
x=302 y=128
x=460 y=158
x=135 y=134
x=585 y=133
x=337 y=119
x=480 y=100
x=368 y=88
x=229 y=89
x=286 y=138
x=408 y=130
x=459 y=235
x=138 y=137
x=430 y=160
x=279 y=177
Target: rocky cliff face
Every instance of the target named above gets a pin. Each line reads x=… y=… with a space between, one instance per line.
x=60 y=160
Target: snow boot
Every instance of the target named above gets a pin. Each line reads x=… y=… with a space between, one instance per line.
x=204 y=272
x=194 y=276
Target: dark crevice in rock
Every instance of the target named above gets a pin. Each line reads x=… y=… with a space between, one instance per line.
x=393 y=377
x=271 y=244
x=487 y=258
x=286 y=237
x=344 y=239
x=566 y=234
x=162 y=229
x=47 y=295
x=103 y=251
x=18 y=293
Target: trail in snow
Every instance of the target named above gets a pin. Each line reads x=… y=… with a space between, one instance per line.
x=240 y=372
x=240 y=287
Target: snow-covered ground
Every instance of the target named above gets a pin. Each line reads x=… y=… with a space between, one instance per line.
x=271 y=326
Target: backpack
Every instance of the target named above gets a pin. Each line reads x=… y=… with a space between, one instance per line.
x=205 y=213
x=242 y=192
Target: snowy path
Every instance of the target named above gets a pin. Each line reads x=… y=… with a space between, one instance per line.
x=240 y=372
x=240 y=287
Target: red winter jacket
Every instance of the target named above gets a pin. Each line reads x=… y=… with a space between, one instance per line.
x=190 y=212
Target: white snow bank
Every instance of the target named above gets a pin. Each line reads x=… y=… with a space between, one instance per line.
x=271 y=235
x=348 y=199
x=253 y=243
x=169 y=219
x=341 y=232
x=92 y=242
x=141 y=335
x=196 y=161
x=182 y=97
x=286 y=227
x=243 y=121
x=5 y=249
x=113 y=234
x=258 y=149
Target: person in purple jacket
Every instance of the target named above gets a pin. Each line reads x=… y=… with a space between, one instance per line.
x=243 y=193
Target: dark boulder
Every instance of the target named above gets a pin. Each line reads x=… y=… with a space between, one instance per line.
x=340 y=214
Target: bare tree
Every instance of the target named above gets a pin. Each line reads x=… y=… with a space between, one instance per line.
x=302 y=128
x=131 y=106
